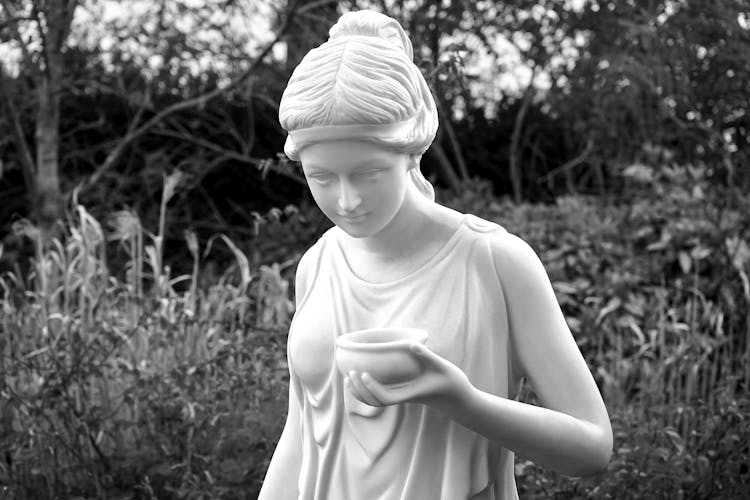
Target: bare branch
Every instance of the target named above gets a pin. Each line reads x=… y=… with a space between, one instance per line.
x=85 y=126
x=228 y=154
x=315 y=5
x=133 y=132
x=580 y=158
x=463 y=171
x=514 y=152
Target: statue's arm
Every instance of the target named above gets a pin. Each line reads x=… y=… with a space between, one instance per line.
x=281 y=478
x=571 y=433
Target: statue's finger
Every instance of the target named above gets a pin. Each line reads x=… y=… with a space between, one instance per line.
x=386 y=394
x=374 y=390
x=362 y=393
x=348 y=386
x=393 y=393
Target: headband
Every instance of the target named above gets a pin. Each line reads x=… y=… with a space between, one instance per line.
x=389 y=132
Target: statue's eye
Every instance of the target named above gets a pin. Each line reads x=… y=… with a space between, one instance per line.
x=321 y=178
x=370 y=174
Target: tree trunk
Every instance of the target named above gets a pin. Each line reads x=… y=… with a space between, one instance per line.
x=447 y=125
x=48 y=197
x=444 y=167
x=48 y=206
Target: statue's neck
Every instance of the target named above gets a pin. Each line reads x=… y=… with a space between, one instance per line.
x=402 y=236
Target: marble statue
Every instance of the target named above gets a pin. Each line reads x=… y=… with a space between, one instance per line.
x=455 y=307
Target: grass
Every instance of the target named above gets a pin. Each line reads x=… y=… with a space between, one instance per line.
x=135 y=383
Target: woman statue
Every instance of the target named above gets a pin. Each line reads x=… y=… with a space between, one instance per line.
x=359 y=116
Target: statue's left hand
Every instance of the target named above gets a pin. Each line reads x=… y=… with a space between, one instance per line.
x=441 y=385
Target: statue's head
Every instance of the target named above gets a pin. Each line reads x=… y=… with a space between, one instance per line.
x=361 y=85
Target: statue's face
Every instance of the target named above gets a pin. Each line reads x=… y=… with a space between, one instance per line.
x=358 y=185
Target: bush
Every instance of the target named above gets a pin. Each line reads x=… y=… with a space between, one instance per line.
x=130 y=388
x=654 y=288
x=138 y=384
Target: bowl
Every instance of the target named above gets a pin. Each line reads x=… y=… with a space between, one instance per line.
x=384 y=353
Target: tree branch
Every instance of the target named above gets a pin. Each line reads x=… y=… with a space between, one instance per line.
x=514 y=155
x=256 y=162
x=453 y=140
x=133 y=132
x=228 y=154
x=580 y=158
x=314 y=5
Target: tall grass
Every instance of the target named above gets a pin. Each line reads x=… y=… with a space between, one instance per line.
x=110 y=382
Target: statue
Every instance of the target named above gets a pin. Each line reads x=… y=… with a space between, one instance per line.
x=459 y=307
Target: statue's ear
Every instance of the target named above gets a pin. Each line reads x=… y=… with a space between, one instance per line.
x=414 y=161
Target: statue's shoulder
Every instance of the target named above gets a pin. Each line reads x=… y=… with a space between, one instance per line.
x=311 y=257
x=309 y=263
x=504 y=246
x=483 y=226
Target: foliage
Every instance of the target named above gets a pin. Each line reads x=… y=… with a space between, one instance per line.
x=666 y=73
x=142 y=384
x=611 y=76
x=652 y=460
x=129 y=387
x=656 y=293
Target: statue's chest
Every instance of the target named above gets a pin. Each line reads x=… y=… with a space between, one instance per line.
x=336 y=306
x=312 y=339
x=382 y=271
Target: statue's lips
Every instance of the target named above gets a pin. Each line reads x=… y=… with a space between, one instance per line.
x=355 y=218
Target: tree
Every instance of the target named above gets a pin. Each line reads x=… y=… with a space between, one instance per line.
x=669 y=75
x=159 y=62
x=50 y=22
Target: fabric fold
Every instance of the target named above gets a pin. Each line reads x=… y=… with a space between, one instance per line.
x=408 y=451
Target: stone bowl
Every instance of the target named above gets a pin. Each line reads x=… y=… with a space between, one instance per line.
x=384 y=353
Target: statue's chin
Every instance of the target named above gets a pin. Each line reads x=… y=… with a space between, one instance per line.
x=354 y=232
x=356 y=228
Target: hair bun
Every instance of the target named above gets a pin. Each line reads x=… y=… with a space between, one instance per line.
x=375 y=24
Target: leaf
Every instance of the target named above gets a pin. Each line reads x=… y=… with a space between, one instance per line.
x=192 y=242
x=564 y=287
x=613 y=304
x=171 y=183
x=700 y=252
x=574 y=324
x=664 y=241
x=639 y=173
x=676 y=439
x=685 y=261
x=628 y=321
x=739 y=252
